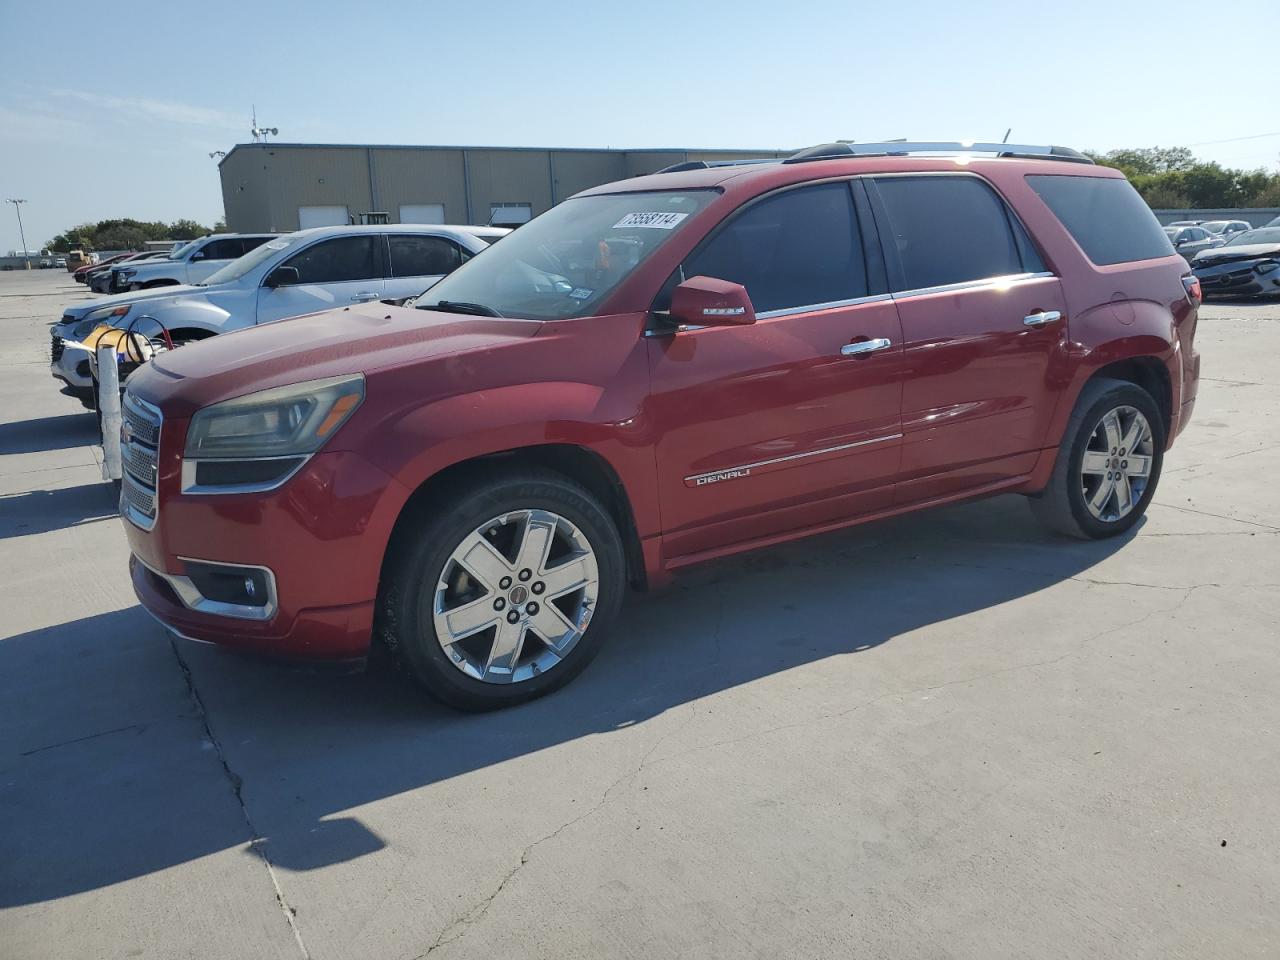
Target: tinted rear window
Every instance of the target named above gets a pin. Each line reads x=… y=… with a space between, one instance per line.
x=951 y=229
x=1106 y=216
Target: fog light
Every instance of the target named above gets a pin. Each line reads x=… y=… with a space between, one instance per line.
x=227 y=583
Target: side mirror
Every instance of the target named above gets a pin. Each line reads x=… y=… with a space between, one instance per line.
x=708 y=302
x=282 y=277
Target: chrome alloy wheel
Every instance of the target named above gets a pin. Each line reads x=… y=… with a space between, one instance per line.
x=515 y=596
x=1117 y=462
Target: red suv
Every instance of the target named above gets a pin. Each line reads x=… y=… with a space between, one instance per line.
x=654 y=373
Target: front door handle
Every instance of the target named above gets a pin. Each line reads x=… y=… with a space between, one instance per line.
x=364 y=297
x=1041 y=317
x=864 y=346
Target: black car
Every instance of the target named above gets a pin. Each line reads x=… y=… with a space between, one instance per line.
x=1247 y=266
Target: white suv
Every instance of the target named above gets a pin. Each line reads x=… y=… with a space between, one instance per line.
x=285 y=277
x=190 y=263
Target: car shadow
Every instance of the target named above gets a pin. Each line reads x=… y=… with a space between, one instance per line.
x=49 y=433
x=40 y=511
x=304 y=745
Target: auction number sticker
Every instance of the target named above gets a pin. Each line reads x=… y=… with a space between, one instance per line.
x=654 y=221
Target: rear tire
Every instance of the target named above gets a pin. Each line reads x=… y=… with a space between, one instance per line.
x=486 y=660
x=1106 y=494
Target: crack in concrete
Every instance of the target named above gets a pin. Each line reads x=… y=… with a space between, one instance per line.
x=1088 y=581
x=257 y=842
x=1218 y=516
x=473 y=916
x=103 y=733
x=1233 y=456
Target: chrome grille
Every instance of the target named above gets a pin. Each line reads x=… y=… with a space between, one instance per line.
x=140 y=461
x=134 y=497
x=140 y=457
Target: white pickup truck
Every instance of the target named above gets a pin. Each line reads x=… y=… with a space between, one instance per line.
x=190 y=263
x=287 y=276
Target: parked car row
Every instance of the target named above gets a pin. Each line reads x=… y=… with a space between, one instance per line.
x=857 y=331
x=279 y=277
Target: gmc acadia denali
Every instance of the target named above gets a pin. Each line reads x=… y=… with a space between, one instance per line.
x=655 y=373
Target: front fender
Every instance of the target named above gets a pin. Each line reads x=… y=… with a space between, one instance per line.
x=419 y=443
x=187 y=313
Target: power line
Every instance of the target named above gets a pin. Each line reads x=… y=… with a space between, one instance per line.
x=1255 y=136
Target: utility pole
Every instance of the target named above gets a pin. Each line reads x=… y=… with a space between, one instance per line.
x=21 y=233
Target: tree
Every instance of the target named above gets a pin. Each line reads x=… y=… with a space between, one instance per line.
x=124 y=234
x=187 y=230
x=1171 y=177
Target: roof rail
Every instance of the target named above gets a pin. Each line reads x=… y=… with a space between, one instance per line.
x=904 y=148
x=710 y=164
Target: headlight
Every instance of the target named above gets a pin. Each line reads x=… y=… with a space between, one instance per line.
x=111 y=315
x=257 y=441
x=1266 y=266
x=126 y=274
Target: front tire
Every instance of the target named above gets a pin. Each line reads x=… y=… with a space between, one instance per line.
x=1108 y=464
x=500 y=593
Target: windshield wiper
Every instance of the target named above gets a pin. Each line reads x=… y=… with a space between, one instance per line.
x=461 y=306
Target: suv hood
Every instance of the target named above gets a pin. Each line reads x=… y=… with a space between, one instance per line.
x=79 y=311
x=1250 y=251
x=357 y=339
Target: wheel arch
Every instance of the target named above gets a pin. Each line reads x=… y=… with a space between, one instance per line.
x=572 y=461
x=1151 y=374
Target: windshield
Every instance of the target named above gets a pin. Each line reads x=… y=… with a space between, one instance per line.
x=563 y=263
x=1215 y=226
x=177 y=252
x=238 y=268
x=1265 y=235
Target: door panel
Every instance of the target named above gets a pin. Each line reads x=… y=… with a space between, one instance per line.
x=977 y=386
x=769 y=428
x=336 y=272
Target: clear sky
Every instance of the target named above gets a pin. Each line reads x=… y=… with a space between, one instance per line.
x=112 y=109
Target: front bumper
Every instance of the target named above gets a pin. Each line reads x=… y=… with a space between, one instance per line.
x=322 y=536
x=71 y=365
x=1240 y=279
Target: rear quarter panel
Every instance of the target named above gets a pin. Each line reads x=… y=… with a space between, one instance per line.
x=1114 y=312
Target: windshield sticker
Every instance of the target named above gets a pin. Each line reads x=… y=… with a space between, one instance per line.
x=654 y=221
x=581 y=293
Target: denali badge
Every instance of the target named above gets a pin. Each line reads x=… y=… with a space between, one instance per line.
x=707 y=478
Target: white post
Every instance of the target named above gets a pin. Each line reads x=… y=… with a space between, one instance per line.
x=109 y=406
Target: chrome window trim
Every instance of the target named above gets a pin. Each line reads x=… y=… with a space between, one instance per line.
x=972 y=284
x=193 y=599
x=829 y=305
x=793 y=456
x=190 y=486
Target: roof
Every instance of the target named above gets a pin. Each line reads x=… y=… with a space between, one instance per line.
x=443 y=229
x=762 y=176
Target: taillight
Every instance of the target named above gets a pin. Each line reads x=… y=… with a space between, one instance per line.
x=1191 y=283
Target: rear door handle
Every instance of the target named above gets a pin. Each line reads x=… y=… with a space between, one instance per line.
x=364 y=297
x=864 y=346
x=1041 y=317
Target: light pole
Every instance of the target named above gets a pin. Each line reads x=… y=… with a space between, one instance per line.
x=21 y=234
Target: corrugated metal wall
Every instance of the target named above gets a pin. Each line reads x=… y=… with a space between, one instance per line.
x=264 y=184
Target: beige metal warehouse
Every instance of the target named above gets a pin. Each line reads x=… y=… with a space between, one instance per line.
x=288 y=186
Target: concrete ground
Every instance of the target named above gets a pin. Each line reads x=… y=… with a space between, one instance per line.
x=948 y=735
